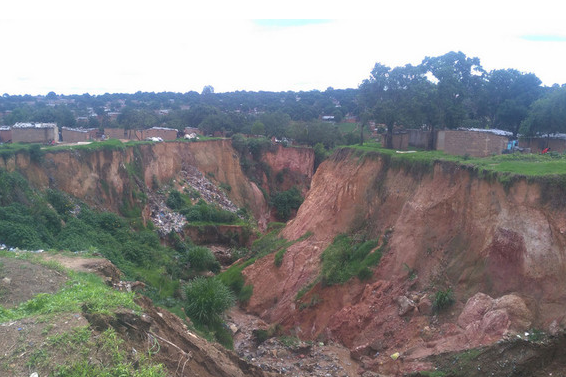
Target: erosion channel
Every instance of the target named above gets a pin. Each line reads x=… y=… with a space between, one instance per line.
x=370 y=266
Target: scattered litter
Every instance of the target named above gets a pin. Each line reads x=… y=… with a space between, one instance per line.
x=395 y=356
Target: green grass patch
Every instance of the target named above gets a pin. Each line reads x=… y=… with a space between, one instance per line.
x=82 y=288
x=346 y=258
x=528 y=165
x=118 y=360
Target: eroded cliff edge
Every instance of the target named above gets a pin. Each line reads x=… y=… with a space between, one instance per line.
x=500 y=249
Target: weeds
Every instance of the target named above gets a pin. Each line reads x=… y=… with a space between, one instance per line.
x=346 y=258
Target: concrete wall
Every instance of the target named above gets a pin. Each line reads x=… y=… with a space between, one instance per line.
x=473 y=143
x=537 y=144
x=419 y=138
x=399 y=141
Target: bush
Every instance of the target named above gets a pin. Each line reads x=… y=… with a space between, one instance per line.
x=202 y=259
x=345 y=258
x=175 y=201
x=442 y=300
x=207 y=299
x=285 y=201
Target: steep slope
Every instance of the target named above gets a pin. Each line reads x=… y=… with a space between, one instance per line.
x=112 y=178
x=446 y=228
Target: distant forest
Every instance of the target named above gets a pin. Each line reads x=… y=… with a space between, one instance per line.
x=447 y=91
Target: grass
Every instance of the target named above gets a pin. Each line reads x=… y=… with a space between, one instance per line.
x=117 y=360
x=346 y=258
x=528 y=165
x=82 y=288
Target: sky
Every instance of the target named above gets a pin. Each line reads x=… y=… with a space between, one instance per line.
x=125 y=46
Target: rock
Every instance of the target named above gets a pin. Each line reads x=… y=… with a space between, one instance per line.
x=425 y=306
x=520 y=316
x=360 y=351
x=6 y=281
x=405 y=305
x=475 y=309
x=554 y=328
x=495 y=323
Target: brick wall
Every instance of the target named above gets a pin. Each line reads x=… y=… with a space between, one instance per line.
x=164 y=133
x=5 y=135
x=537 y=144
x=34 y=135
x=192 y=130
x=473 y=143
x=115 y=133
x=71 y=135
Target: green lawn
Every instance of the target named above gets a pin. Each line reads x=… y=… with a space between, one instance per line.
x=529 y=165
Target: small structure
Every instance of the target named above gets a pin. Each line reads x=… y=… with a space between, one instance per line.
x=74 y=135
x=472 y=142
x=556 y=143
x=162 y=132
x=192 y=130
x=116 y=133
x=399 y=140
x=5 y=134
x=420 y=139
x=35 y=132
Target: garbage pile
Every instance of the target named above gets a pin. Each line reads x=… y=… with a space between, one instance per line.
x=192 y=180
x=163 y=218
x=208 y=191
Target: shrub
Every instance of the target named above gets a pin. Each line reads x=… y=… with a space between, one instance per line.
x=175 y=201
x=202 y=259
x=207 y=299
x=442 y=300
x=285 y=201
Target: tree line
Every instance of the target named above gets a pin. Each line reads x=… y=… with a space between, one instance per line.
x=454 y=90
x=448 y=91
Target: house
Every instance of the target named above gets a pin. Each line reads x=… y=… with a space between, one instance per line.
x=472 y=142
x=35 y=132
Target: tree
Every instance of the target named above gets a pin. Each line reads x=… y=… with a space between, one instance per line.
x=258 y=128
x=207 y=90
x=509 y=94
x=547 y=115
x=388 y=96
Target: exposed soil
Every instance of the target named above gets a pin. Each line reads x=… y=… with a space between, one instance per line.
x=21 y=280
x=26 y=348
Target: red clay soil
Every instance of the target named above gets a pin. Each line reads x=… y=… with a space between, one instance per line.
x=449 y=229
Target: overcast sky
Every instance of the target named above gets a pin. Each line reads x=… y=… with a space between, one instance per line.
x=80 y=46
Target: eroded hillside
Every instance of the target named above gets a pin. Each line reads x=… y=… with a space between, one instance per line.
x=498 y=252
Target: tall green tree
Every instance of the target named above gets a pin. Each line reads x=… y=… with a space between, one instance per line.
x=510 y=93
x=547 y=115
x=458 y=80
